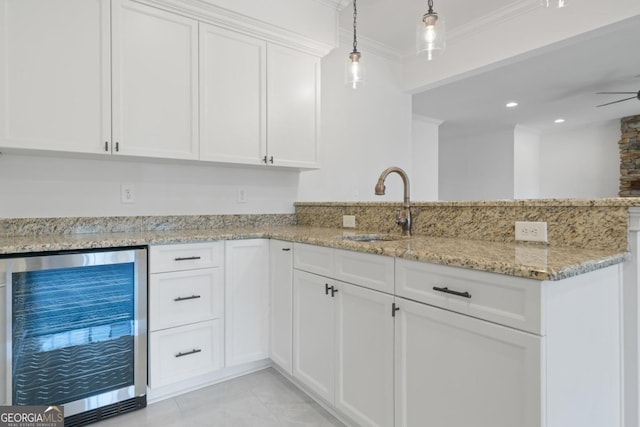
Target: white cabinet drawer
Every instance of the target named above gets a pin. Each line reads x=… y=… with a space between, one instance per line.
x=163 y=258
x=185 y=352
x=371 y=271
x=314 y=259
x=183 y=297
x=506 y=300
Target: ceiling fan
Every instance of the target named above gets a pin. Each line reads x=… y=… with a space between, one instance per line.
x=636 y=95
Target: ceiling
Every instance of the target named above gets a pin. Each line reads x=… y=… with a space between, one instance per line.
x=555 y=82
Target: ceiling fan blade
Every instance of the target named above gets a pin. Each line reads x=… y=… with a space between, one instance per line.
x=614 y=93
x=615 y=102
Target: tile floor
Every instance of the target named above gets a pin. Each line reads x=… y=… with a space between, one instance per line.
x=262 y=399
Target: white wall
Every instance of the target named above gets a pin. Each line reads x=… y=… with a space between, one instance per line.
x=583 y=162
x=526 y=163
x=476 y=167
x=424 y=177
x=38 y=186
x=364 y=131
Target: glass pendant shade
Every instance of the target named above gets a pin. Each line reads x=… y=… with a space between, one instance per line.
x=430 y=35
x=554 y=3
x=355 y=70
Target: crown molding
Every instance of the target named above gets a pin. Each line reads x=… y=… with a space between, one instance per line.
x=225 y=18
x=494 y=18
x=427 y=119
x=365 y=44
x=337 y=5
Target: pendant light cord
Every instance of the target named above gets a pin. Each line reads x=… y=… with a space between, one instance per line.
x=355 y=18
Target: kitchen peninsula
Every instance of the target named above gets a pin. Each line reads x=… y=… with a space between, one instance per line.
x=529 y=321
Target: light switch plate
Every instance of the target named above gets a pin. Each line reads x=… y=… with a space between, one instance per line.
x=349 y=221
x=127 y=193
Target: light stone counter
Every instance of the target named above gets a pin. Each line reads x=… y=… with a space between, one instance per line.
x=524 y=260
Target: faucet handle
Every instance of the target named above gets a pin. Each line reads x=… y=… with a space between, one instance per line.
x=401 y=218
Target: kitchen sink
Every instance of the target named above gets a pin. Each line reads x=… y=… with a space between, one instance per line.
x=371 y=237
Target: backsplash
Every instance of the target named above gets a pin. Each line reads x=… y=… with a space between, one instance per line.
x=73 y=225
x=595 y=224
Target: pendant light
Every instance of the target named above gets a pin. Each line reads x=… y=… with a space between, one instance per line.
x=430 y=33
x=554 y=3
x=355 y=66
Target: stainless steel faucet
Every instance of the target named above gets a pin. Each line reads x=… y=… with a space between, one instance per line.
x=402 y=218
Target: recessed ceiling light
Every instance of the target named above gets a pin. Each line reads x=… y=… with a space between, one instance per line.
x=512 y=104
x=558 y=121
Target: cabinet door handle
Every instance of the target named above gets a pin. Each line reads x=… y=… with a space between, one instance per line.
x=449 y=291
x=333 y=291
x=264 y=160
x=271 y=159
x=286 y=249
x=187 y=298
x=326 y=288
x=194 y=351
x=394 y=308
x=106 y=146
x=117 y=146
x=188 y=258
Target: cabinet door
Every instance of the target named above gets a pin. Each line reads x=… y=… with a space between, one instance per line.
x=246 y=301
x=457 y=371
x=293 y=104
x=364 y=358
x=155 y=82
x=281 y=282
x=55 y=75
x=313 y=333
x=3 y=345
x=232 y=96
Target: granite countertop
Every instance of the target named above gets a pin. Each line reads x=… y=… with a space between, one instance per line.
x=516 y=259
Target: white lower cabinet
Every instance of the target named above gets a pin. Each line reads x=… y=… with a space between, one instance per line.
x=458 y=371
x=281 y=304
x=186 y=296
x=313 y=333
x=343 y=346
x=246 y=301
x=364 y=355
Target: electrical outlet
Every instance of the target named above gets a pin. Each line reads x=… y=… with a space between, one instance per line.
x=531 y=231
x=241 y=196
x=349 y=221
x=127 y=193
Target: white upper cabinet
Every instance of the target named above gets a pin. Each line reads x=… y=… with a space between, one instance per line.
x=259 y=102
x=232 y=96
x=155 y=82
x=55 y=75
x=293 y=105
x=121 y=77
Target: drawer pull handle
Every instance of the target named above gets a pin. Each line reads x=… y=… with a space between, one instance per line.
x=187 y=298
x=286 y=249
x=449 y=291
x=194 y=351
x=188 y=258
